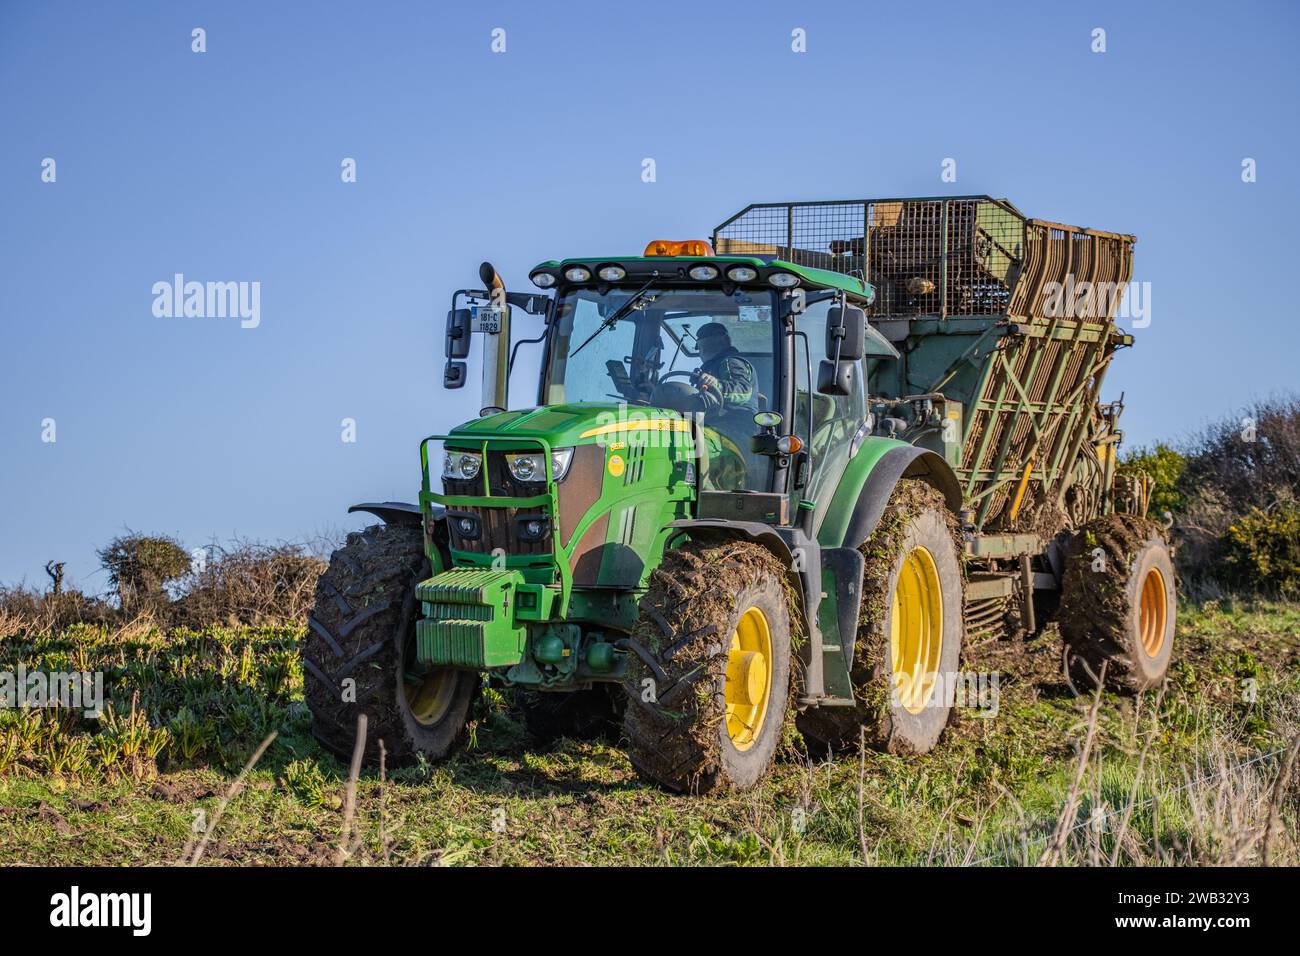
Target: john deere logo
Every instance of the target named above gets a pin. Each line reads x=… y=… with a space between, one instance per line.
x=616 y=465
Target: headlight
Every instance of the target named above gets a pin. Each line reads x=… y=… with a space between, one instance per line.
x=461 y=465
x=577 y=274
x=543 y=280
x=529 y=467
x=611 y=273
x=560 y=462
x=783 y=280
x=742 y=274
x=702 y=273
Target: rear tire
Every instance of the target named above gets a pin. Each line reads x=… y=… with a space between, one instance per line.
x=1119 y=605
x=362 y=630
x=913 y=574
x=708 y=712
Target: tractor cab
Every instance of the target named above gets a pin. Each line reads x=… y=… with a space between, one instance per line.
x=762 y=362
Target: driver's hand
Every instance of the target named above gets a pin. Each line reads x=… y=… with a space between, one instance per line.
x=708 y=383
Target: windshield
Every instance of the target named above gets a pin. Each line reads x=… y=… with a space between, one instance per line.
x=696 y=351
x=657 y=341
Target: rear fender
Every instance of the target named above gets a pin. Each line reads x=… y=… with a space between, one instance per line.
x=854 y=516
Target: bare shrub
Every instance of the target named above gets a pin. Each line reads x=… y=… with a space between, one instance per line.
x=24 y=610
x=250 y=583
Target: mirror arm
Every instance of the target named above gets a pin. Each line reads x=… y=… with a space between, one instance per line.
x=530 y=302
x=811 y=298
x=515 y=351
x=839 y=331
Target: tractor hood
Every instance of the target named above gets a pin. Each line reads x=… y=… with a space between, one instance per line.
x=630 y=473
x=578 y=424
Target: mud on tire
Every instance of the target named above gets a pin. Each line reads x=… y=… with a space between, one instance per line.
x=916 y=516
x=361 y=629
x=1106 y=616
x=676 y=721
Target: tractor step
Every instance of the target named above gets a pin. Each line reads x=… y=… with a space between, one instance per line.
x=469 y=620
x=806 y=702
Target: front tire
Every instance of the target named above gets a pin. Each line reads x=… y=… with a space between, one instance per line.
x=358 y=652
x=910 y=632
x=709 y=668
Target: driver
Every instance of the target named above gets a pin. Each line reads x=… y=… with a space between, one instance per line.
x=725 y=380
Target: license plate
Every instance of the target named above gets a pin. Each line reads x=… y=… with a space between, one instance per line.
x=486 y=319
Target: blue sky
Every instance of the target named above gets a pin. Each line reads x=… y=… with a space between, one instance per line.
x=225 y=166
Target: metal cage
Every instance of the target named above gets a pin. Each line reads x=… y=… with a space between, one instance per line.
x=944 y=257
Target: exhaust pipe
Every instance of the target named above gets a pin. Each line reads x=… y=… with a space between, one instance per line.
x=496 y=348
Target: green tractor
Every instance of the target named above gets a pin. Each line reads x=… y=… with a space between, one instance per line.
x=776 y=477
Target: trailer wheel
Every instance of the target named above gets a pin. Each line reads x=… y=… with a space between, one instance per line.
x=709 y=668
x=361 y=634
x=1119 y=605
x=910 y=631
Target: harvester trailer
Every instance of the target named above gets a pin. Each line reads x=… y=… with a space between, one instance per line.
x=781 y=474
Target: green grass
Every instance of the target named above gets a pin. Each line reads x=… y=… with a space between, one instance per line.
x=190 y=707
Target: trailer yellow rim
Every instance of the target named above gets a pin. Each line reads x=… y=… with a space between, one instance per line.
x=749 y=678
x=1153 y=612
x=429 y=697
x=916 y=630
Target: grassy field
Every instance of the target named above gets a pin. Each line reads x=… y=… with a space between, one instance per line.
x=1186 y=777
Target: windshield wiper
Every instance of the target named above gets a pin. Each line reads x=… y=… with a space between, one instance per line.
x=613 y=320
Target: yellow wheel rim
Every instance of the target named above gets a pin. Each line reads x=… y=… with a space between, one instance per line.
x=916 y=630
x=1152 y=613
x=749 y=678
x=429 y=697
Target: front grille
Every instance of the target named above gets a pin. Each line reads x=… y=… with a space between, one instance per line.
x=498 y=528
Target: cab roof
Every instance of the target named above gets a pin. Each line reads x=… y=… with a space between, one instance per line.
x=673 y=269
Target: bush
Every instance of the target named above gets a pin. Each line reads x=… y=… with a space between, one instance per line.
x=1262 y=550
x=140 y=567
x=1166 y=466
x=1251 y=459
x=1242 y=475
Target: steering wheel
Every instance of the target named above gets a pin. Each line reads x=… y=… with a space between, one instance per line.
x=680 y=373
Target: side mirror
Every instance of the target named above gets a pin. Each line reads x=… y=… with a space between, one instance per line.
x=458 y=330
x=453 y=376
x=836 y=378
x=845 y=333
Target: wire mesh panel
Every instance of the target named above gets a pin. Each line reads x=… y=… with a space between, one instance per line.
x=758 y=231
x=957 y=256
x=829 y=236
